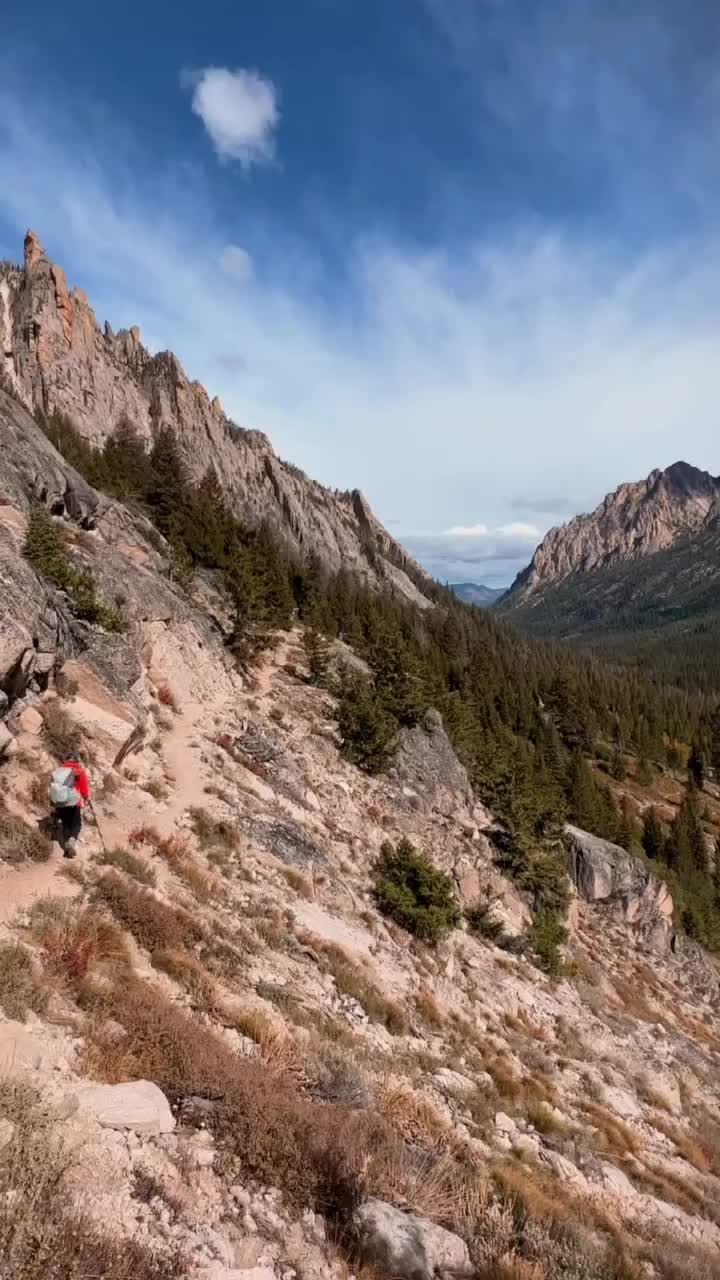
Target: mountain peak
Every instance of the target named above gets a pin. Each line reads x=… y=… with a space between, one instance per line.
x=33 y=249
x=636 y=520
x=684 y=478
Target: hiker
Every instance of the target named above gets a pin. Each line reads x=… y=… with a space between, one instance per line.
x=69 y=789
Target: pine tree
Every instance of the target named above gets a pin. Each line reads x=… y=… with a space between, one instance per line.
x=168 y=487
x=645 y=773
x=317 y=653
x=125 y=460
x=44 y=547
x=367 y=732
x=685 y=847
x=715 y=742
x=208 y=535
x=582 y=793
x=628 y=832
x=696 y=767
x=397 y=680
x=618 y=765
x=653 y=836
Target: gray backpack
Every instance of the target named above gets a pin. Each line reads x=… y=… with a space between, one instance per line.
x=62 y=789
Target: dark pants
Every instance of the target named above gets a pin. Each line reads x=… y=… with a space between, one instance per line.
x=69 y=823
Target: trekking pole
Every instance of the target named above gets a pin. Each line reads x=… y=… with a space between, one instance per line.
x=97 y=824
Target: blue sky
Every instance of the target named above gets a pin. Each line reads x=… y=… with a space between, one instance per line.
x=463 y=254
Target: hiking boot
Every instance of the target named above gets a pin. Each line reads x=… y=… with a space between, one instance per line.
x=71 y=848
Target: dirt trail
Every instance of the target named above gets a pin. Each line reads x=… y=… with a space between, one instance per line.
x=182 y=751
x=19 y=888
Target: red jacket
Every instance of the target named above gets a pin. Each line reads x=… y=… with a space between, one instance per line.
x=82 y=782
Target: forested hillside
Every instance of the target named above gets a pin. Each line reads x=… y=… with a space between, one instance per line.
x=662 y=611
x=528 y=718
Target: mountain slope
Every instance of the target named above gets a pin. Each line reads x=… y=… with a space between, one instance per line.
x=635 y=521
x=54 y=357
x=639 y=578
x=476 y=593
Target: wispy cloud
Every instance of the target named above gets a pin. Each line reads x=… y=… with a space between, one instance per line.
x=239 y=110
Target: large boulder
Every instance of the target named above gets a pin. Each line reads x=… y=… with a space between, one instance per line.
x=138 y=1105
x=428 y=769
x=604 y=873
x=406 y=1246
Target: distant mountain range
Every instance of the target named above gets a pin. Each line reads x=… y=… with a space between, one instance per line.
x=475 y=593
x=640 y=576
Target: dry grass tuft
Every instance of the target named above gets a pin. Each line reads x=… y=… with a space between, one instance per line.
x=156 y=788
x=77 y=941
x=211 y=831
x=124 y=860
x=153 y=924
x=61 y=733
x=145 y=835
x=687 y=1147
x=19 y=842
x=299 y=882
x=612 y=1133
x=166 y=698
x=185 y=969
x=414 y=1116
x=265 y=1130
x=20 y=989
x=429 y=1009
x=37 y=792
x=350 y=980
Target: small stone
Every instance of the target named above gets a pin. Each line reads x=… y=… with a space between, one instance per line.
x=137 y=1105
x=8 y=745
x=504 y=1124
x=30 y=721
x=7 y=1131
x=409 y=1247
x=623 y=1103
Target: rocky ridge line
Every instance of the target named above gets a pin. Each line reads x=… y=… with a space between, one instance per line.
x=55 y=357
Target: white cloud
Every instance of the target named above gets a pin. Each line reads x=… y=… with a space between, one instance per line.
x=476 y=551
x=467 y=530
x=236 y=262
x=441 y=383
x=239 y=110
x=519 y=529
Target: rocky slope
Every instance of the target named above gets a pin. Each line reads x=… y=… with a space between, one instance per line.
x=55 y=357
x=635 y=521
x=230 y=1063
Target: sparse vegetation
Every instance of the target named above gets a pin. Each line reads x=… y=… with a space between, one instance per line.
x=41 y=1233
x=414 y=893
x=124 y=860
x=350 y=980
x=20 y=987
x=210 y=831
x=166 y=698
x=481 y=920
x=76 y=941
x=19 y=842
x=61 y=734
x=299 y=882
x=46 y=549
x=153 y=924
